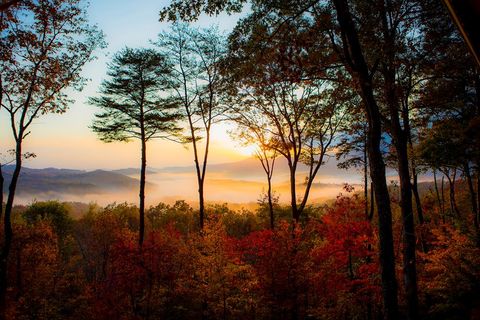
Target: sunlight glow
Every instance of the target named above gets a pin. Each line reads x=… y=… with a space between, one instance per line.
x=247 y=151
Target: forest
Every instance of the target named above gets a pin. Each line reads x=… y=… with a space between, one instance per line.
x=379 y=86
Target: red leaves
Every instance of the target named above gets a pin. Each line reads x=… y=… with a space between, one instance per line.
x=326 y=269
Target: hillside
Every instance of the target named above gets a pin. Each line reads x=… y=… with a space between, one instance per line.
x=65 y=181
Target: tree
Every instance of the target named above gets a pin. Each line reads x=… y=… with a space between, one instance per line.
x=194 y=79
x=345 y=41
x=133 y=107
x=355 y=58
x=54 y=212
x=353 y=151
x=252 y=130
x=442 y=149
x=49 y=42
x=299 y=110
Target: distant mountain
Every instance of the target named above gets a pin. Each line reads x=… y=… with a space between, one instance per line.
x=251 y=169
x=66 y=181
x=132 y=171
x=237 y=182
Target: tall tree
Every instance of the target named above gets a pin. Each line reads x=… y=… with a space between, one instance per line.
x=357 y=64
x=277 y=83
x=195 y=81
x=49 y=41
x=133 y=107
x=345 y=41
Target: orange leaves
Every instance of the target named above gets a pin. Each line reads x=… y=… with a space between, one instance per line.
x=326 y=269
x=451 y=270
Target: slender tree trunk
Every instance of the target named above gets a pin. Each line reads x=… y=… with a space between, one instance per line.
x=478 y=193
x=365 y=176
x=451 y=187
x=270 y=202
x=360 y=72
x=454 y=180
x=8 y=232
x=443 y=195
x=387 y=258
x=452 y=193
x=293 y=193
x=199 y=173
x=473 y=198
x=201 y=200
x=143 y=168
x=440 y=207
x=408 y=133
x=201 y=181
x=416 y=194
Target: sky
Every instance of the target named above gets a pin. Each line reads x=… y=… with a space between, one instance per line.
x=66 y=141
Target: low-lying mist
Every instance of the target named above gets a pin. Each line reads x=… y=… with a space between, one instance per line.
x=169 y=187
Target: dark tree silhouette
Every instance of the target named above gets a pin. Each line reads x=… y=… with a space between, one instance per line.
x=133 y=107
x=44 y=56
x=301 y=112
x=194 y=57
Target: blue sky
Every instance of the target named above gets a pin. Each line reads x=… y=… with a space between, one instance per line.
x=66 y=141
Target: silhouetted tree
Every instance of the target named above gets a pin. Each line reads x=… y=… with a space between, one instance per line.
x=133 y=107
x=49 y=42
x=194 y=78
x=253 y=130
x=299 y=109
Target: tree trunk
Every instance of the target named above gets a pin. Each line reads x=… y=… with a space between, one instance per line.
x=400 y=141
x=440 y=207
x=478 y=192
x=409 y=238
x=201 y=203
x=416 y=194
x=293 y=194
x=365 y=177
x=141 y=235
x=8 y=232
x=3 y=276
x=451 y=187
x=372 y=202
x=2 y=181
x=270 y=202
x=359 y=70
x=473 y=198
x=443 y=195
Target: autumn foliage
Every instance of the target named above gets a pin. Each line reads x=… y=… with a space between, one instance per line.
x=324 y=268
